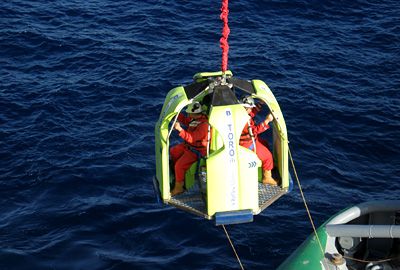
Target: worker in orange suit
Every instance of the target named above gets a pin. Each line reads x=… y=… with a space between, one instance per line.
x=194 y=146
x=249 y=139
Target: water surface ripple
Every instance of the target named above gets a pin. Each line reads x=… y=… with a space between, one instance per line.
x=82 y=85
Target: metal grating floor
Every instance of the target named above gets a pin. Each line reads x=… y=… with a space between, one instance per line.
x=192 y=200
x=268 y=194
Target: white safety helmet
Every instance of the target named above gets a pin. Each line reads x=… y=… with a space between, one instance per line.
x=194 y=107
x=248 y=102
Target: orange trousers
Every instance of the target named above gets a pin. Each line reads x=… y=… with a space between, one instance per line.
x=183 y=158
x=263 y=154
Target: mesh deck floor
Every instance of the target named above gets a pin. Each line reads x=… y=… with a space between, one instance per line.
x=268 y=194
x=192 y=200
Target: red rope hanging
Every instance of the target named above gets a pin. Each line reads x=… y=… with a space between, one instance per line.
x=223 y=42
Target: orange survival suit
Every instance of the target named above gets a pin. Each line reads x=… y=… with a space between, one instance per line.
x=194 y=146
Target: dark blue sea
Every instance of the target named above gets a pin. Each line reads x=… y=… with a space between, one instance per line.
x=82 y=84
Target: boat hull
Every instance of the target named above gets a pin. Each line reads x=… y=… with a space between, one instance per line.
x=365 y=236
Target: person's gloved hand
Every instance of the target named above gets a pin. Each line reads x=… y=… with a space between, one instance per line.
x=269 y=118
x=178 y=127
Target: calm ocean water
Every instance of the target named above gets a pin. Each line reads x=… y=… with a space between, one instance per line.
x=81 y=87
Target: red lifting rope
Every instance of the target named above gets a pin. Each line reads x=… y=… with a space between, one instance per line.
x=223 y=42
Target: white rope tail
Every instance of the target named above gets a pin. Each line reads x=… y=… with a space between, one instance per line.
x=233 y=248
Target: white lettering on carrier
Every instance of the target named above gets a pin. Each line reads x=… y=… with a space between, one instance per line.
x=232 y=172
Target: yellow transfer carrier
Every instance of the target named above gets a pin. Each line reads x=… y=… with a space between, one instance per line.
x=225 y=185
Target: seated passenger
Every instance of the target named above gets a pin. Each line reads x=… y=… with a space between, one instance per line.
x=249 y=139
x=194 y=146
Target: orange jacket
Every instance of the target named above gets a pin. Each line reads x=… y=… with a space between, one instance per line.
x=245 y=137
x=196 y=134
